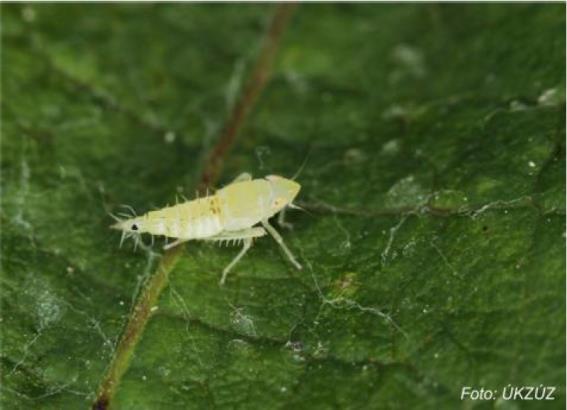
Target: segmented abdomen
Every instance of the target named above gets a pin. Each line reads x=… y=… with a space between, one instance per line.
x=203 y=227
x=195 y=219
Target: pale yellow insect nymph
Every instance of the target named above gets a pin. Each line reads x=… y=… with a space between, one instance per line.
x=229 y=215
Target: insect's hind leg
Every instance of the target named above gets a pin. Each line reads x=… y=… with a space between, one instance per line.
x=247 y=245
x=277 y=237
x=245 y=234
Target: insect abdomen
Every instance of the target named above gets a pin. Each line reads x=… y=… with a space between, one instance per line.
x=203 y=227
x=190 y=220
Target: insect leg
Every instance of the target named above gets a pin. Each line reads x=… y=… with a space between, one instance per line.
x=246 y=235
x=281 y=220
x=277 y=237
x=173 y=244
x=247 y=245
x=124 y=236
x=245 y=176
x=225 y=236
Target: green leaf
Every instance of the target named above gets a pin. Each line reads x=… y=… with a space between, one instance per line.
x=434 y=242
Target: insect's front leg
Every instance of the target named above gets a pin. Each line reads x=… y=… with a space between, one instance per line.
x=173 y=244
x=245 y=176
x=282 y=222
x=280 y=242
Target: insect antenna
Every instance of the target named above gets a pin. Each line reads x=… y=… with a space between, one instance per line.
x=117 y=219
x=129 y=208
x=294 y=206
x=298 y=172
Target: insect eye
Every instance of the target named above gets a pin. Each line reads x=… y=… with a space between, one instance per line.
x=134 y=227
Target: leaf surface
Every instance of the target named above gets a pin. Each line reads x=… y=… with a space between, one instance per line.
x=434 y=242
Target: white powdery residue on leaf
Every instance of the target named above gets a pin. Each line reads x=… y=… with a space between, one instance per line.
x=395 y=112
x=234 y=84
x=180 y=302
x=297 y=81
x=407 y=192
x=169 y=137
x=517 y=105
x=393 y=231
x=409 y=248
x=445 y=260
x=48 y=309
x=21 y=196
x=296 y=348
x=550 y=97
x=107 y=342
x=499 y=204
x=164 y=371
x=25 y=351
x=354 y=156
x=93 y=323
x=262 y=152
x=321 y=350
x=239 y=345
x=242 y=323
x=348 y=304
x=449 y=198
x=391 y=147
x=151 y=257
x=28 y=14
x=411 y=61
x=346 y=244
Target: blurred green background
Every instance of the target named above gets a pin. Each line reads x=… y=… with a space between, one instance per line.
x=434 y=252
